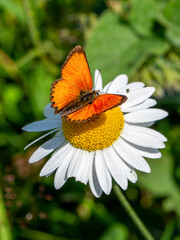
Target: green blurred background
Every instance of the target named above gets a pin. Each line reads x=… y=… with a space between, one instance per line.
x=140 y=38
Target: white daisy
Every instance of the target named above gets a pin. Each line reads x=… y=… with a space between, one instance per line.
x=111 y=146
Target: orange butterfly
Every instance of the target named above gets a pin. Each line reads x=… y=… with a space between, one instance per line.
x=72 y=95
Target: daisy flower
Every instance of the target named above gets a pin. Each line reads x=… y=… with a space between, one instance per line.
x=112 y=145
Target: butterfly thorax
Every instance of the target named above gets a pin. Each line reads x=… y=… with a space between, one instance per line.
x=85 y=98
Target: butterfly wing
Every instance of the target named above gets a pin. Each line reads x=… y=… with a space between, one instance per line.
x=75 y=78
x=101 y=104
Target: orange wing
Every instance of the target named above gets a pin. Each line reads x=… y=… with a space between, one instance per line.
x=101 y=104
x=75 y=77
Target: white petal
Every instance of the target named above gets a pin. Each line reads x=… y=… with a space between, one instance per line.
x=98 y=80
x=147 y=115
x=49 y=112
x=102 y=172
x=43 y=125
x=115 y=166
x=144 y=124
x=149 y=131
x=46 y=148
x=130 y=156
x=49 y=174
x=147 y=152
x=146 y=104
x=118 y=83
x=130 y=172
x=45 y=135
x=122 y=91
x=141 y=138
x=56 y=159
x=93 y=181
x=75 y=163
x=138 y=96
x=135 y=85
x=61 y=176
x=85 y=167
x=105 y=89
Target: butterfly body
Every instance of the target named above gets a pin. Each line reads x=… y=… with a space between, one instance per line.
x=84 y=99
x=72 y=95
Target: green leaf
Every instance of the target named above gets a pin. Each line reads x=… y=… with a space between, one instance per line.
x=115 y=49
x=13 y=8
x=142 y=15
x=171 y=19
x=137 y=54
x=171 y=12
x=107 y=43
x=38 y=88
x=160 y=181
x=11 y=96
x=116 y=231
x=174 y=36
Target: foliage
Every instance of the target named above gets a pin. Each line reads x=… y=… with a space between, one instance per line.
x=135 y=37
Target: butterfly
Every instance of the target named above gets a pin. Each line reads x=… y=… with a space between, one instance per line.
x=72 y=95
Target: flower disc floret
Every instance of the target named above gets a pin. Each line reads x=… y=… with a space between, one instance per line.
x=98 y=133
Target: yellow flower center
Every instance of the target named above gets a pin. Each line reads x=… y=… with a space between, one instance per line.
x=98 y=133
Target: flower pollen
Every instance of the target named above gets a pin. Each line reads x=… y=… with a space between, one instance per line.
x=98 y=133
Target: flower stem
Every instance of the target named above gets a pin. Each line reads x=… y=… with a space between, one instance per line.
x=144 y=231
